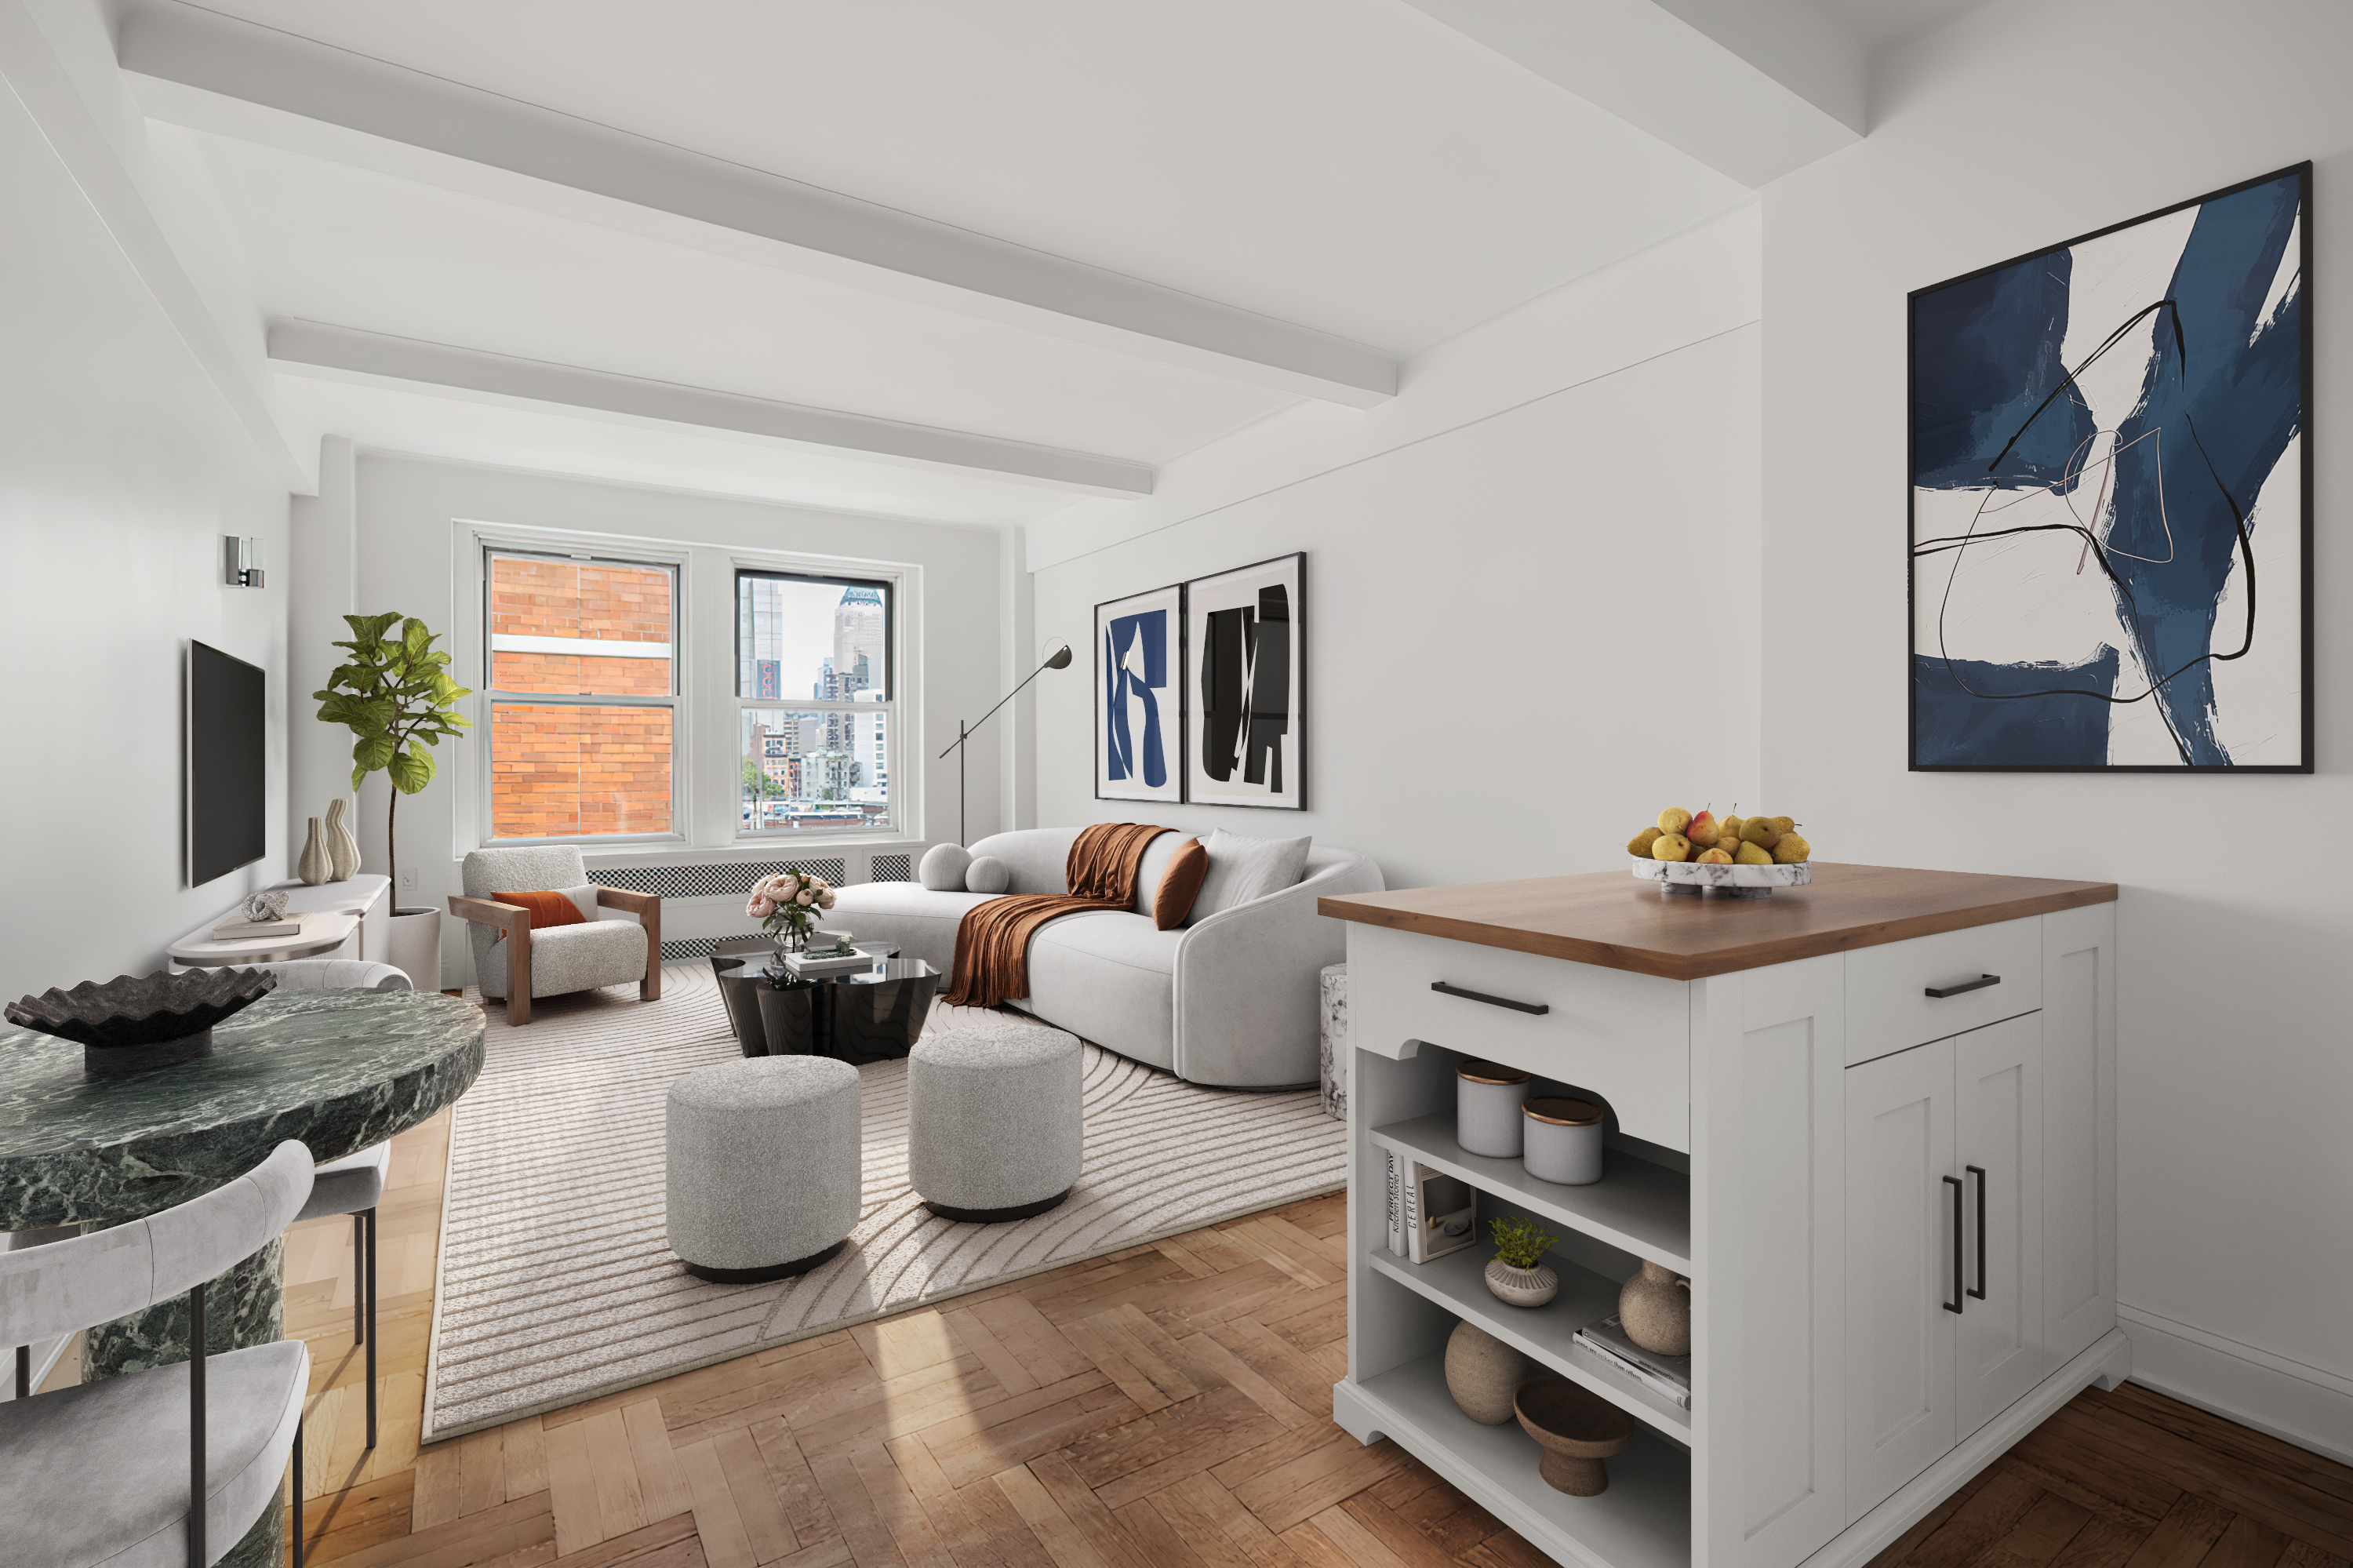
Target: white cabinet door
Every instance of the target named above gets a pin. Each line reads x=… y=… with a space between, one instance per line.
x=1902 y=1219
x=1999 y=1351
x=2079 y=1129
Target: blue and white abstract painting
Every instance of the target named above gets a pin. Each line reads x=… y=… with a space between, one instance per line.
x=2111 y=515
x=1139 y=707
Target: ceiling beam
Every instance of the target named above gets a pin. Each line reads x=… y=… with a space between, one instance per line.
x=1753 y=88
x=351 y=353
x=202 y=69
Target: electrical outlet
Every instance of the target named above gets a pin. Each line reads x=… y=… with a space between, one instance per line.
x=409 y=880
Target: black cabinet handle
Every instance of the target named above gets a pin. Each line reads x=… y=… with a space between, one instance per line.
x=1954 y=1305
x=1978 y=1171
x=1538 y=1008
x=1977 y=984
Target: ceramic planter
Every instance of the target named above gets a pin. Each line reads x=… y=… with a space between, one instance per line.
x=1521 y=1287
x=414 y=946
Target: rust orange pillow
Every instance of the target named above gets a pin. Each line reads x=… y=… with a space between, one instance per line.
x=1179 y=884
x=546 y=908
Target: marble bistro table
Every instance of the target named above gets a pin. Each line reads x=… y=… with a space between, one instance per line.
x=338 y=1070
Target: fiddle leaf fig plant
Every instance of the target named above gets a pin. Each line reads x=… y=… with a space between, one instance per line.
x=394 y=693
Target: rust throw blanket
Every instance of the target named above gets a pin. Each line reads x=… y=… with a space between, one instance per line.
x=992 y=951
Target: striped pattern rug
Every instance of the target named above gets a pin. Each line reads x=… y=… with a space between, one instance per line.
x=555 y=1283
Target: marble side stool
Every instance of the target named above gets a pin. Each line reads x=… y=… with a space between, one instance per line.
x=1335 y=1039
x=763 y=1166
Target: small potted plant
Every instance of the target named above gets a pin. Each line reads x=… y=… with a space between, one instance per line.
x=1517 y=1274
x=786 y=906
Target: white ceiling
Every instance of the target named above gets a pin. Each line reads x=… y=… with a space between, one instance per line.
x=1351 y=166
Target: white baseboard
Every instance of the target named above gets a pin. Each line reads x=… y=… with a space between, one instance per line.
x=2307 y=1406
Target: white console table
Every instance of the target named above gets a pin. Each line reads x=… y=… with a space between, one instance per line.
x=1872 y=1119
x=347 y=920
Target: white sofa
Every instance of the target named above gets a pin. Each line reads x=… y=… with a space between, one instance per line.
x=1230 y=1000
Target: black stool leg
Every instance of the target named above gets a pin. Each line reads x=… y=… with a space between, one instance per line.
x=359 y=1266
x=298 y=1492
x=371 y=1328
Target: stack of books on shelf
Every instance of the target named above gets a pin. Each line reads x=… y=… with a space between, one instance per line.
x=1667 y=1376
x=837 y=958
x=1430 y=1213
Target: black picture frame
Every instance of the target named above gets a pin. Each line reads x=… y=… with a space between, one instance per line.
x=1173 y=793
x=1936 y=752
x=1200 y=787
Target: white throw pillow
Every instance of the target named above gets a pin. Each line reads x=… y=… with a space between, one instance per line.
x=1242 y=868
x=987 y=874
x=943 y=868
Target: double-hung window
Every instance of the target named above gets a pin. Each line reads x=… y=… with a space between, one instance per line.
x=816 y=702
x=583 y=679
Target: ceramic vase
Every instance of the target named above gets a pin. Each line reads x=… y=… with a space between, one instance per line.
x=1483 y=1373
x=1655 y=1309
x=1522 y=1286
x=342 y=849
x=314 y=867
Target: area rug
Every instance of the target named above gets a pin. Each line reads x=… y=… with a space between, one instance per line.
x=555 y=1285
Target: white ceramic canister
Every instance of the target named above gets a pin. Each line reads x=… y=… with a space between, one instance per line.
x=1487 y=1096
x=1564 y=1139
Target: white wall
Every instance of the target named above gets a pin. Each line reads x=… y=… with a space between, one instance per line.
x=396 y=516
x=119 y=469
x=2020 y=126
x=1530 y=599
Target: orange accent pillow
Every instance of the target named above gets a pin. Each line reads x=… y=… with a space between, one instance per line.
x=546 y=908
x=1179 y=886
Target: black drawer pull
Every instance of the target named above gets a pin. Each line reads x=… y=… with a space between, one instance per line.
x=1977 y=984
x=1954 y=1305
x=1978 y=1171
x=1538 y=1008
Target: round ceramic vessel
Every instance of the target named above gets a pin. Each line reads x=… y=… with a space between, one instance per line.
x=1487 y=1098
x=1577 y=1429
x=1655 y=1308
x=1564 y=1139
x=1521 y=1287
x=1694 y=874
x=1483 y=1373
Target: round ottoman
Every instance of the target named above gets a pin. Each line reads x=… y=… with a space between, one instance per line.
x=994 y=1129
x=764 y=1171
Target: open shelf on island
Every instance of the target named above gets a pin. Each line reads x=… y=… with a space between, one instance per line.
x=1643 y=1521
x=1637 y=1206
x=1544 y=1333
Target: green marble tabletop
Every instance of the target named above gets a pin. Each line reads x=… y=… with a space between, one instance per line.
x=339 y=1070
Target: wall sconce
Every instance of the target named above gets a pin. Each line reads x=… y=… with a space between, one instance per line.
x=241 y=561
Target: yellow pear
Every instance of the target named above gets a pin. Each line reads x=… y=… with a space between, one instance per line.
x=1673 y=820
x=1671 y=846
x=1785 y=824
x=1752 y=854
x=1640 y=842
x=1703 y=830
x=1792 y=850
x=1714 y=857
x=1731 y=834
x=1759 y=831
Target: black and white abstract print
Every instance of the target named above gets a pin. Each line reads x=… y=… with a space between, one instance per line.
x=1245 y=645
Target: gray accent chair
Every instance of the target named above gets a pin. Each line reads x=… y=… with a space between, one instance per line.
x=111 y=1472
x=353 y=1185
x=1229 y=1000
x=513 y=962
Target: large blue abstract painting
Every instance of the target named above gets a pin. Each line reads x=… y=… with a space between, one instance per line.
x=2111 y=497
x=1139 y=709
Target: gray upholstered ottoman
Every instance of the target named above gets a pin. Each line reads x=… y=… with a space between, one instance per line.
x=763 y=1166
x=994 y=1120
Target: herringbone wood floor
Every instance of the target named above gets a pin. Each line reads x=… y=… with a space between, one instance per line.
x=1167 y=1407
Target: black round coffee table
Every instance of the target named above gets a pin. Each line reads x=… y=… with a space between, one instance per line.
x=871 y=1014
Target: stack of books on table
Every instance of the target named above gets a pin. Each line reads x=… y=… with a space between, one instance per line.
x=241 y=929
x=1667 y=1376
x=839 y=958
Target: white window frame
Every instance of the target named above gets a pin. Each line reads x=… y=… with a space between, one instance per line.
x=893 y=823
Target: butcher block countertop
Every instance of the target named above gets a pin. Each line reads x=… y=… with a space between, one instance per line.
x=1612 y=919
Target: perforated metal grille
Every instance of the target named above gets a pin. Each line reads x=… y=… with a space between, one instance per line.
x=894 y=868
x=717 y=879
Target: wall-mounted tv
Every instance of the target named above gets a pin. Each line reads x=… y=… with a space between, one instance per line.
x=227 y=785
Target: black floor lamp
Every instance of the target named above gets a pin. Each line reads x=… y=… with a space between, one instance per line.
x=1059 y=660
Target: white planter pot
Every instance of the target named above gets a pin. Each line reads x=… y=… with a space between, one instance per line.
x=1521 y=1287
x=414 y=946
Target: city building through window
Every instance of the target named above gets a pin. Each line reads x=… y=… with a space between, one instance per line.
x=818 y=702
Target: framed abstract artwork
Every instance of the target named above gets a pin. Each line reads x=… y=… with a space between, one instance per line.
x=1139 y=700
x=2111 y=497
x=1246 y=643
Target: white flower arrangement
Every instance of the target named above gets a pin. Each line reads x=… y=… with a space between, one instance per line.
x=789 y=901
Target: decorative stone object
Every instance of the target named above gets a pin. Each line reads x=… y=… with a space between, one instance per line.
x=264 y=907
x=128 y=1023
x=1483 y=1373
x=1576 y=1428
x=1655 y=1311
x=314 y=867
x=1564 y=1139
x=342 y=849
x=1335 y=1040
x=1521 y=1287
x=1487 y=1100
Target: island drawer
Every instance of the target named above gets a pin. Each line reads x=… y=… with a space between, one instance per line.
x=1888 y=1007
x=1622 y=1036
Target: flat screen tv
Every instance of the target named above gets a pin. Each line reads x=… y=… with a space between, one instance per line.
x=227 y=787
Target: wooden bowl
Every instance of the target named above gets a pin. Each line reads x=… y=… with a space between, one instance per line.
x=1576 y=1428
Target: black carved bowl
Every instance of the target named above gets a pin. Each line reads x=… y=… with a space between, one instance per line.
x=149 y=1021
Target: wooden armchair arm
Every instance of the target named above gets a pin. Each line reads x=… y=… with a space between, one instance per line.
x=509 y=919
x=513 y=923
x=647 y=908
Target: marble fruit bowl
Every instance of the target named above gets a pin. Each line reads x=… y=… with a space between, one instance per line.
x=1689 y=872
x=147 y=1021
